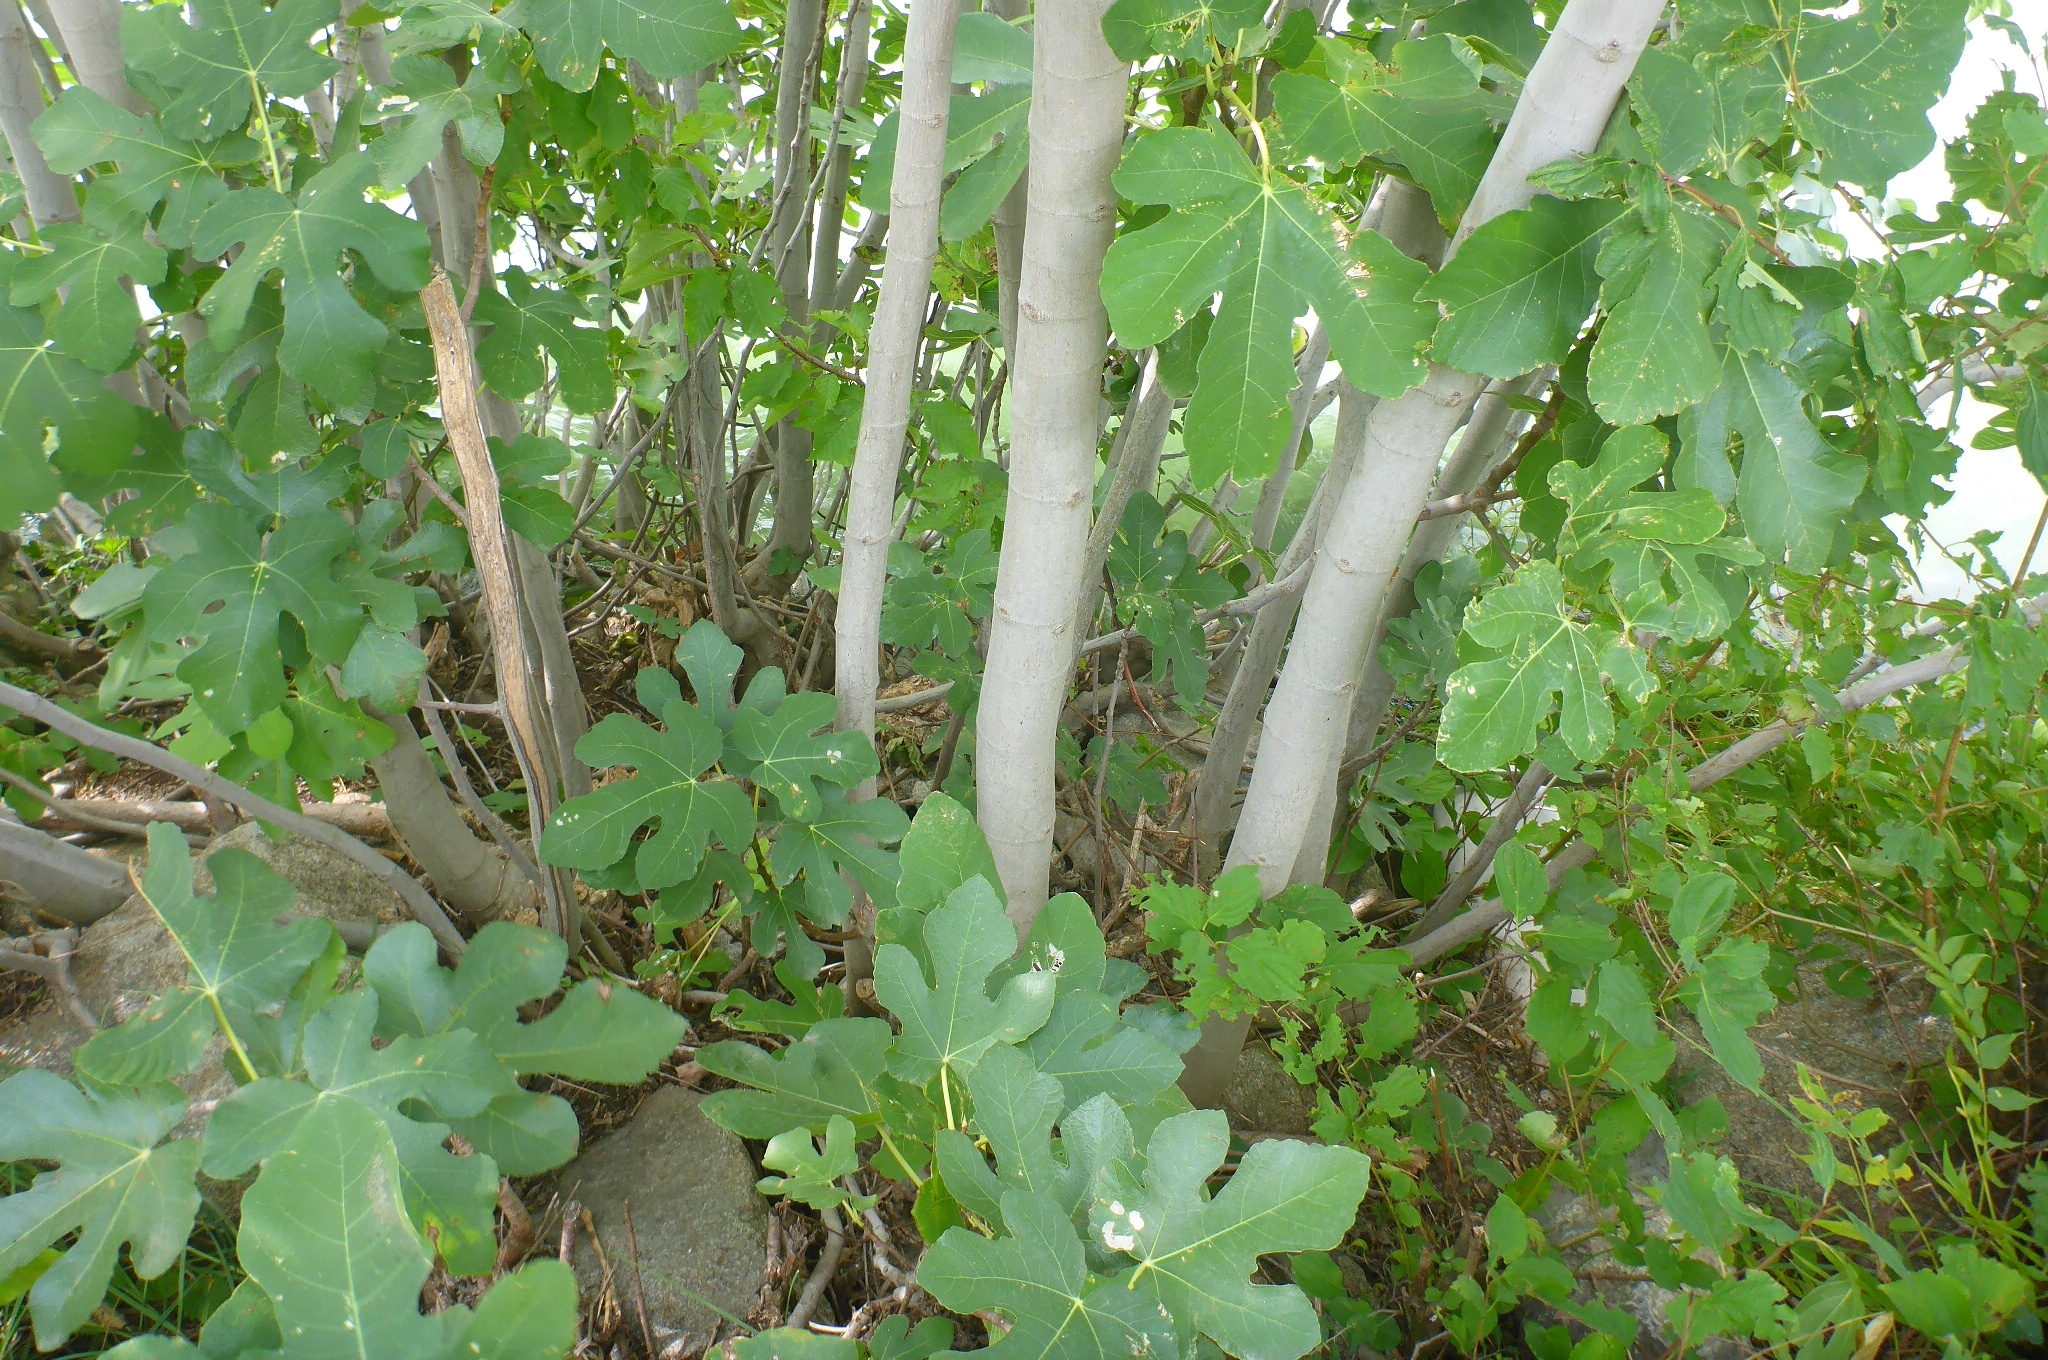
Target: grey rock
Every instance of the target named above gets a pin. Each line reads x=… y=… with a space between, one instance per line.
x=1577 y=1224
x=700 y=1227
x=1867 y=1053
x=1263 y=1098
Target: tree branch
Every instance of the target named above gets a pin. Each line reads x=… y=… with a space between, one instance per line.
x=1578 y=853
x=424 y=908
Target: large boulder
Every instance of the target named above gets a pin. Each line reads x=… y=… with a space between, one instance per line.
x=700 y=1228
x=126 y=959
x=1865 y=1053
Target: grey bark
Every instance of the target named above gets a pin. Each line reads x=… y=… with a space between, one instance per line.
x=1077 y=128
x=1494 y=423
x=91 y=33
x=475 y=878
x=1216 y=789
x=1008 y=222
x=913 y=237
x=788 y=249
x=1565 y=103
x=1308 y=371
x=51 y=197
x=58 y=879
x=853 y=81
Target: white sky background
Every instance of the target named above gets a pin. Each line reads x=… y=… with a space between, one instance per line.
x=1992 y=490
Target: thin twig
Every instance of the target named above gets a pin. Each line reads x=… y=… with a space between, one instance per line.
x=1250 y=603
x=639 y=1292
x=822 y=1273
x=491 y=822
x=480 y=259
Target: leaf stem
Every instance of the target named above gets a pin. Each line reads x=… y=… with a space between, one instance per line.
x=263 y=126
x=234 y=1042
x=901 y=1160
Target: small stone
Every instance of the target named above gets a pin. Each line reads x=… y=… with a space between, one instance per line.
x=700 y=1226
x=1576 y=1221
x=1263 y=1098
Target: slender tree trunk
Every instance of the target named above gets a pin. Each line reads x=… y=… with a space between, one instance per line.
x=1008 y=222
x=892 y=358
x=92 y=41
x=475 y=878
x=1077 y=130
x=789 y=540
x=60 y=879
x=51 y=197
x=853 y=83
x=1565 y=104
x=1273 y=495
x=1216 y=789
x=1494 y=422
x=1142 y=440
x=1413 y=229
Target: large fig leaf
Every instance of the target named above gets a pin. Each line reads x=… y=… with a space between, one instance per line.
x=592 y=832
x=669 y=38
x=230 y=592
x=330 y=343
x=451 y=1074
x=951 y=1021
x=241 y=959
x=113 y=1181
x=1273 y=253
x=325 y=1234
x=1195 y=1255
x=601 y=1032
x=829 y=1071
x=1037 y=1276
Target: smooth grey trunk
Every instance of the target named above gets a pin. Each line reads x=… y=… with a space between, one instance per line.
x=789 y=252
x=61 y=880
x=893 y=342
x=1308 y=372
x=474 y=877
x=91 y=34
x=1008 y=222
x=1488 y=438
x=1140 y=443
x=1417 y=233
x=51 y=196
x=1487 y=435
x=1565 y=104
x=853 y=83
x=867 y=249
x=1216 y=788
x=1077 y=132
x=38 y=14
